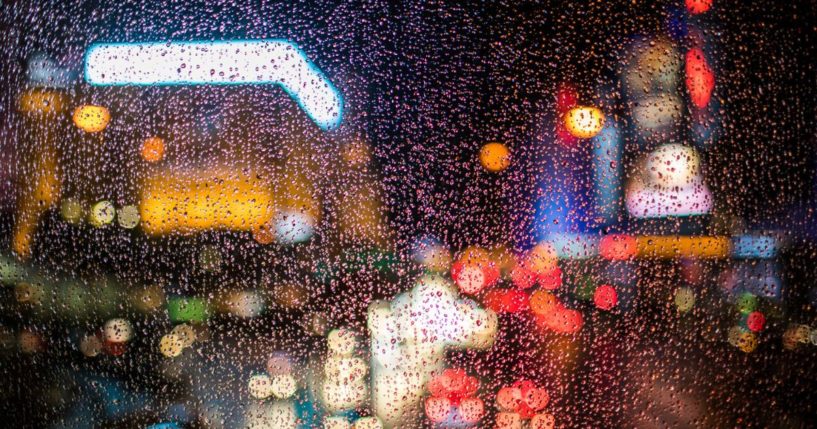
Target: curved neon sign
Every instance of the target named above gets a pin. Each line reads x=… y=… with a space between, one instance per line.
x=247 y=62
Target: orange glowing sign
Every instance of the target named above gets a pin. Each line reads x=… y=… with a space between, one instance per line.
x=669 y=247
x=200 y=200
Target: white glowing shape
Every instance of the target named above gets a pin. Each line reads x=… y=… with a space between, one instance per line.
x=408 y=341
x=651 y=202
x=238 y=62
x=271 y=415
x=672 y=185
x=672 y=165
x=292 y=226
x=344 y=379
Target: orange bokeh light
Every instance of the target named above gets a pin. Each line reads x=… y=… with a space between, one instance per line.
x=153 y=149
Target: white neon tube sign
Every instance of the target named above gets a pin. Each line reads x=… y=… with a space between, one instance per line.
x=249 y=62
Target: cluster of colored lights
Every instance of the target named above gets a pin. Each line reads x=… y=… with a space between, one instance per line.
x=179 y=338
x=523 y=402
x=100 y=214
x=111 y=339
x=453 y=399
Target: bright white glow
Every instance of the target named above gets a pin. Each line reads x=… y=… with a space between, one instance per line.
x=671 y=185
x=672 y=165
x=277 y=62
x=651 y=202
x=345 y=376
x=409 y=337
x=292 y=226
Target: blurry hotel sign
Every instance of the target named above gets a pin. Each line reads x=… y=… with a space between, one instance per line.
x=241 y=62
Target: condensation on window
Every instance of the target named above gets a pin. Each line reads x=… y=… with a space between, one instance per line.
x=360 y=215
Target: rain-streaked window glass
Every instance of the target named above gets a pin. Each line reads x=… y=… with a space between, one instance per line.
x=360 y=215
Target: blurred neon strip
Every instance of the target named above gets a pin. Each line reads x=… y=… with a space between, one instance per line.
x=646 y=202
x=624 y=247
x=606 y=173
x=239 y=62
x=574 y=246
x=754 y=246
x=670 y=247
x=204 y=200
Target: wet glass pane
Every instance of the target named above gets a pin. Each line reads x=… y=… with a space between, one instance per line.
x=378 y=214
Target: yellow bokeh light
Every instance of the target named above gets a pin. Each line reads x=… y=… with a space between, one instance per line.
x=542 y=258
x=91 y=119
x=495 y=157
x=186 y=334
x=128 y=217
x=202 y=200
x=42 y=101
x=102 y=213
x=584 y=122
x=670 y=247
x=260 y=386
x=171 y=345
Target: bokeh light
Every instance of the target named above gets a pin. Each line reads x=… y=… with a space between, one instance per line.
x=584 y=122
x=495 y=157
x=91 y=119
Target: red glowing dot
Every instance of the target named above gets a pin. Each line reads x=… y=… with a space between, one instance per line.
x=551 y=280
x=700 y=80
x=536 y=398
x=618 y=247
x=533 y=399
x=115 y=349
x=507 y=300
x=522 y=277
x=566 y=98
x=698 y=6
x=605 y=297
x=755 y=321
x=562 y=321
x=491 y=273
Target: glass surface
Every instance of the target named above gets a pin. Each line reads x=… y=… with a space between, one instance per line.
x=394 y=215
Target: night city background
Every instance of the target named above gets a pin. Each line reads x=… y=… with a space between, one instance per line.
x=382 y=215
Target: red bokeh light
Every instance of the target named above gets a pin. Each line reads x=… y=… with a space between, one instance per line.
x=605 y=297
x=551 y=280
x=522 y=277
x=698 y=6
x=700 y=79
x=618 y=247
x=506 y=300
x=756 y=321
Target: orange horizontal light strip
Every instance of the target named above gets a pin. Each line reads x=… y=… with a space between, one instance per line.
x=203 y=200
x=674 y=246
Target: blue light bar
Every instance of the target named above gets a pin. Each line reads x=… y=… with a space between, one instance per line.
x=754 y=246
x=574 y=245
x=240 y=62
